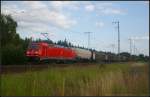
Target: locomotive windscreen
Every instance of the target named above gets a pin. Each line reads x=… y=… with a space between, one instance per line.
x=33 y=46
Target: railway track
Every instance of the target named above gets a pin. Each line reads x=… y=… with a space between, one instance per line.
x=31 y=66
x=36 y=67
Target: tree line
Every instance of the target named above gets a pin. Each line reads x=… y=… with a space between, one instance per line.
x=13 y=47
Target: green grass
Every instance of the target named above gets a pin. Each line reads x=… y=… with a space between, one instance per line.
x=94 y=80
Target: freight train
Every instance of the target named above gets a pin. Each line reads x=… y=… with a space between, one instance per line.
x=55 y=53
x=44 y=51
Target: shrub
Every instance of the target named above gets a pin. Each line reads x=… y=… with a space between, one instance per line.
x=12 y=54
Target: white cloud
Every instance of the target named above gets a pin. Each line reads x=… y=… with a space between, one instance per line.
x=35 y=27
x=35 y=4
x=61 y=20
x=37 y=16
x=9 y=9
x=108 y=9
x=62 y=5
x=89 y=7
x=112 y=11
x=140 y=38
x=103 y=8
x=99 y=24
x=59 y=4
x=34 y=30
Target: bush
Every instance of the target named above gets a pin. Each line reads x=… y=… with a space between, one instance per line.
x=12 y=54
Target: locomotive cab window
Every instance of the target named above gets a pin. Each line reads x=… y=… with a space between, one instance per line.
x=34 y=46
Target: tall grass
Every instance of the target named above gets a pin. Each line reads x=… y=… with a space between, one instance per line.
x=94 y=80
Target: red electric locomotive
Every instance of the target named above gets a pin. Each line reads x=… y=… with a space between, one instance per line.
x=43 y=51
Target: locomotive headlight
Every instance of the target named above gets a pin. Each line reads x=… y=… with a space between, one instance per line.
x=39 y=52
x=28 y=52
x=36 y=52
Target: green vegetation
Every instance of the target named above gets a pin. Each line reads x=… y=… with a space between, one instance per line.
x=92 y=80
x=12 y=46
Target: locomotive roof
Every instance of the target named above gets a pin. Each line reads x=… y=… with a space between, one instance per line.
x=55 y=45
x=51 y=45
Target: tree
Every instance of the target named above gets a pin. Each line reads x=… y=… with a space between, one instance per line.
x=12 y=55
x=8 y=30
x=126 y=54
x=12 y=46
x=141 y=57
x=47 y=41
x=64 y=43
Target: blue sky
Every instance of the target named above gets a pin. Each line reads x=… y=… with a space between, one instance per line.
x=70 y=19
